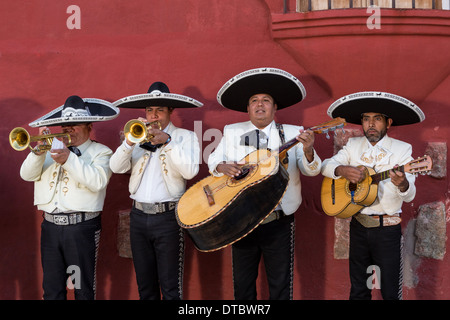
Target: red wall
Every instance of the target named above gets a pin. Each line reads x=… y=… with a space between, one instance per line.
x=195 y=46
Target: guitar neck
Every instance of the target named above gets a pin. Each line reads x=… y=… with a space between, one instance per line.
x=322 y=128
x=289 y=144
x=285 y=147
x=380 y=176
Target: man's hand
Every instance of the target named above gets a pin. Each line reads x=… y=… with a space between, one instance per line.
x=60 y=155
x=231 y=168
x=399 y=180
x=352 y=174
x=42 y=131
x=306 y=137
x=159 y=137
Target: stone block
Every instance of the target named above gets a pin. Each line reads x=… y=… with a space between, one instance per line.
x=340 y=139
x=411 y=262
x=341 y=238
x=438 y=153
x=123 y=235
x=431 y=231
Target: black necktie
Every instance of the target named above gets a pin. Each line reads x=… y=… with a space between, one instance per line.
x=150 y=147
x=75 y=150
x=255 y=138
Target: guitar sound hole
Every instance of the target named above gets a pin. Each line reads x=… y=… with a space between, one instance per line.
x=245 y=170
x=352 y=186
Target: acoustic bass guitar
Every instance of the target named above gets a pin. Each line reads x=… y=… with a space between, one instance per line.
x=218 y=211
x=340 y=198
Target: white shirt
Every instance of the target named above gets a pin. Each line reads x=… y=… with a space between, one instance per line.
x=152 y=187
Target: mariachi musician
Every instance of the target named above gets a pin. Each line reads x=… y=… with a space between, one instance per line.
x=70 y=187
x=160 y=164
x=260 y=93
x=375 y=231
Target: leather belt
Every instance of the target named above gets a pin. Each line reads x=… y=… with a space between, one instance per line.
x=154 y=208
x=373 y=221
x=275 y=215
x=65 y=219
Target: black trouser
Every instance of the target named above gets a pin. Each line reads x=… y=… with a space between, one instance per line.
x=273 y=241
x=70 y=251
x=376 y=248
x=157 y=245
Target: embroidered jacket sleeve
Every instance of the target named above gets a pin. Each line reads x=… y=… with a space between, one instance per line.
x=91 y=169
x=341 y=158
x=120 y=161
x=181 y=155
x=32 y=167
x=405 y=155
x=308 y=168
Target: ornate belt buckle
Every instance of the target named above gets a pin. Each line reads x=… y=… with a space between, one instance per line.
x=159 y=207
x=61 y=220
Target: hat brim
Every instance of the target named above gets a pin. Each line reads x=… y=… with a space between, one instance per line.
x=99 y=109
x=158 y=99
x=284 y=88
x=400 y=110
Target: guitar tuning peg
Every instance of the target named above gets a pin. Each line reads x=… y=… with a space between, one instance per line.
x=340 y=126
x=429 y=172
x=326 y=131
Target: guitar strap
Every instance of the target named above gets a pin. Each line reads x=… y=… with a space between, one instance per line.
x=279 y=126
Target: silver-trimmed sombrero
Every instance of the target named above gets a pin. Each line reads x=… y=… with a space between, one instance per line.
x=284 y=88
x=158 y=95
x=77 y=110
x=399 y=109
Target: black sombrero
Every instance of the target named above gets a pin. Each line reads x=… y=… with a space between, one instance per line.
x=158 y=95
x=284 y=88
x=76 y=110
x=400 y=110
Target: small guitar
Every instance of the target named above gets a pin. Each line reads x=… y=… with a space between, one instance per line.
x=218 y=211
x=340 y=198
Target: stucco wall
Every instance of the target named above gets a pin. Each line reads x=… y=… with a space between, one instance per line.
x=195 y=46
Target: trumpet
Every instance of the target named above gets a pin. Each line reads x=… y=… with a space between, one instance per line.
x=136 y=131
x=20 y=139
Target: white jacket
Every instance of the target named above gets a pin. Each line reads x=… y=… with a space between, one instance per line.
x=79 y=184
x=179 y=161
x=230 y=149
x=389 y=199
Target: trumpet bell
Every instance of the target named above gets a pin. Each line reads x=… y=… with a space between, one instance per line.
x=136 y=131
x=19 y=139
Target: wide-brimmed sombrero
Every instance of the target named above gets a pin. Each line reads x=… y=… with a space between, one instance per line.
x=284 y=88
x=158 y=95
x=400 y=110
x=77 y=110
